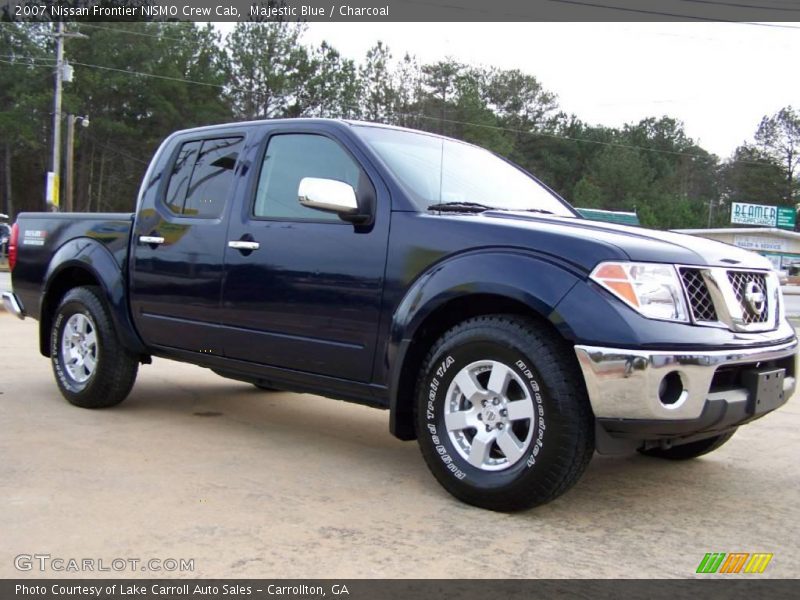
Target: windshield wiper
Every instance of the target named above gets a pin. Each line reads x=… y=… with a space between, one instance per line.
x=533 y=210
x=476 y=207
x=459 y=207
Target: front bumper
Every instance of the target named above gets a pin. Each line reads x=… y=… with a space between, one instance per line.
x=625 y=388
x=13 y=305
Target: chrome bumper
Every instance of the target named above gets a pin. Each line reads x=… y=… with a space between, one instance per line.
x=13 y=305
x=624 y=384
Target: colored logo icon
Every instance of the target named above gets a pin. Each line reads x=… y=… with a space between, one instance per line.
x=734 y=562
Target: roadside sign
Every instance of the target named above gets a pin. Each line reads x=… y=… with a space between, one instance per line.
x=763 y=215
x=53 y=184
x=787 y=217
x=753 y=214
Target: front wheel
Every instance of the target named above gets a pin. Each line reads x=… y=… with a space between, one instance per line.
x=503 y=419
x=92 y=369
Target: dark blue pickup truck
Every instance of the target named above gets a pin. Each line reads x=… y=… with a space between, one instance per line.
x=416 y=273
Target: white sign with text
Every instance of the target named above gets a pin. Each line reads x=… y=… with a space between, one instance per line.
x=754 y=214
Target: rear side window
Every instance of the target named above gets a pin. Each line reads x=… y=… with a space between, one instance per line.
x=202 y=177
x=181 y=173
x=289 y=158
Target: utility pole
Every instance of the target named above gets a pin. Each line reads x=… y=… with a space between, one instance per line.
x=55 y=161
x=710 y=204
x=54 y=176
x=70 y=161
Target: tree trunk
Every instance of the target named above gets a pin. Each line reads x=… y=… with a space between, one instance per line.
x=7 y=180
x=100 y=180
x=90 y=181
x=80 y=177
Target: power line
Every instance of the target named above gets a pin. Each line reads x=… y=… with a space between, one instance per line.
x=17 y=62
x=115 y=150
x=641 y=11
x=132 y=32
x=644 y=11
x=430 y=118
x=153 y=75
x=566 y=137
x=29 y=60
x=739 y=5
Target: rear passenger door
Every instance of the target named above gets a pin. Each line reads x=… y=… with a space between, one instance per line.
x=305 y=292
x=179 y=243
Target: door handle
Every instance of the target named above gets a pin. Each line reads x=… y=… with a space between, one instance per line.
x=151 y=239
x=243 y=245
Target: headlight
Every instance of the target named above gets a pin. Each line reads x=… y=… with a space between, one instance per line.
x=652 y=289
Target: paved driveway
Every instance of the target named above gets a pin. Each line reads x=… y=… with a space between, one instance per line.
x=252 y=484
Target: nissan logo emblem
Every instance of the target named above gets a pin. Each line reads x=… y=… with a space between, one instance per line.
x=754 y=295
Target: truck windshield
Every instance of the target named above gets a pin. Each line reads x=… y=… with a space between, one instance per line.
x=439 y=172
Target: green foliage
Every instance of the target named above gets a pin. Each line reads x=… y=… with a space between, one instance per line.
x=778 y=140
x=268 y=64
x=753 y=177
x=139 y=82
x=378 y=94
x=24 y=110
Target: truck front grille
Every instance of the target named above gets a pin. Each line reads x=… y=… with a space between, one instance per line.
x=740 y=280
x=740 y=300
x=700 y=302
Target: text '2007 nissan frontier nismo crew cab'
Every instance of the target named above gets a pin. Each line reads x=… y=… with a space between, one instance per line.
x=511 y=337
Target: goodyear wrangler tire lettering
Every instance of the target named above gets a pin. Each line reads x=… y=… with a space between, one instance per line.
x=503 y=420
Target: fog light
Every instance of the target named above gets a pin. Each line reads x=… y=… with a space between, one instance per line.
x=670 y=390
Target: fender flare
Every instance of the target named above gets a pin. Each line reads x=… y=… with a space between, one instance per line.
x=94 y=258
x=536 y=281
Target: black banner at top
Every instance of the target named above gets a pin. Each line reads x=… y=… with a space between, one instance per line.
x=774 y=11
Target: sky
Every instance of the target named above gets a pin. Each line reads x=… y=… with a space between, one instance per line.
x=720 y=79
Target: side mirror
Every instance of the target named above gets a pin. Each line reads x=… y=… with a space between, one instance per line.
x=328 y=195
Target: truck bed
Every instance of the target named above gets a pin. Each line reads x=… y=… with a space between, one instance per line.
x=42 y=234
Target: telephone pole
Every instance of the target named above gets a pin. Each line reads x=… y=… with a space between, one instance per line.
x=69 y=205
x=54 y=176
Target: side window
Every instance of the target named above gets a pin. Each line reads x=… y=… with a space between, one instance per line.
x=181 y=173
x=202 y=177
x=288 y=159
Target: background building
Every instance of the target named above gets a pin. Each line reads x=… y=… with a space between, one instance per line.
x=780 y=246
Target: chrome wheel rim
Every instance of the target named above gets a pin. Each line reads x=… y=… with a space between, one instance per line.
x=79 y=347
x=489 y=415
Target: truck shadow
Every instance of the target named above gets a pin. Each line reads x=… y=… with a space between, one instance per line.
x=618 y=491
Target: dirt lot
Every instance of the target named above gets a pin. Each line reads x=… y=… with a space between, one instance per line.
x=255 y=484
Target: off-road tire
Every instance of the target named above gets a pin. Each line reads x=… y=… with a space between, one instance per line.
x=115 y=368
x=690 y=450
x=562 y=440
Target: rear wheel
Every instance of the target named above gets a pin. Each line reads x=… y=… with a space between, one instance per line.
x=92 y=369
x=503 y=419
x=690 y=450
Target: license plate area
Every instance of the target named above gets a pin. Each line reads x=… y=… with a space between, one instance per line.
x=766 y=389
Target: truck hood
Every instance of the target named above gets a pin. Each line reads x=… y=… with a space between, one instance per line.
x=637 y=243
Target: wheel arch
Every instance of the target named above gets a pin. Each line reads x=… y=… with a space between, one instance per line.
x=85 y=262
x=500 y=283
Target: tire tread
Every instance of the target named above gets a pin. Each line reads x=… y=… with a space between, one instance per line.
x=567 y=390
x=116 y=367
